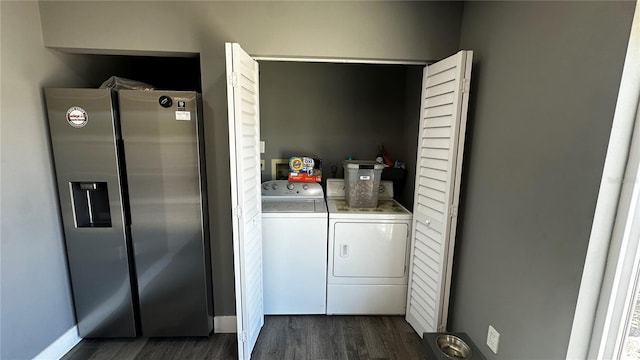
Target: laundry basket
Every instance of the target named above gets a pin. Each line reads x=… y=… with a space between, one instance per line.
x=362 y=183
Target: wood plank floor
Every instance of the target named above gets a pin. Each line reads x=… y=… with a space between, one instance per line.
x=282 y=337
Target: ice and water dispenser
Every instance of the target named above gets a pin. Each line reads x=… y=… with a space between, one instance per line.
x=91 y=204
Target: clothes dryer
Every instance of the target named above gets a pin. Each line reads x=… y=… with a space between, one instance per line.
x=368 y=253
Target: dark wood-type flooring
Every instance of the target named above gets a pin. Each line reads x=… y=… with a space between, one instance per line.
x=282 y=337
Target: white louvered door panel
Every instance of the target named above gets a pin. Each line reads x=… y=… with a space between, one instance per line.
x=438 y=170
x=244 y=148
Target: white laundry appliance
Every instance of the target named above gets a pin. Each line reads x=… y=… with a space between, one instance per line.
x=294 y=248
x=368 y=254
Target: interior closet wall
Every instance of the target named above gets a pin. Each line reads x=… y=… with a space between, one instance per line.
x=332 y=111
x=161 y=72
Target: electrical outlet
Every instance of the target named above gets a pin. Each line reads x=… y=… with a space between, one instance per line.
x=493 y=338
x=261 y=165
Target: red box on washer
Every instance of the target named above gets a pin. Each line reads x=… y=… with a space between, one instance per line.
x=305 y=169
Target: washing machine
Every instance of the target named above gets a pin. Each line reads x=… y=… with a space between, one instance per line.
x=294 y=248
x=368 y=254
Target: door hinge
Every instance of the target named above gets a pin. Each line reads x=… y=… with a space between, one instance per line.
x=237 y=212
x=243 y=336
x=465 y=86
x=233 y=79
x=453 y=211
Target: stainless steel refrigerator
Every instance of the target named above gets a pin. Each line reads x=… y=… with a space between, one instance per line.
x=131 y=183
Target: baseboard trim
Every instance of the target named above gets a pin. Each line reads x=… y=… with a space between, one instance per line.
x=66 y=342
x=61 y=346
x=225 y=324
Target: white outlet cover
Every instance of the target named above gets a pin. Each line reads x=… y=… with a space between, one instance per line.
x=493 y=339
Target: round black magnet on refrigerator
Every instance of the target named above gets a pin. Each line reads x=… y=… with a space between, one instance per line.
x=165 y=101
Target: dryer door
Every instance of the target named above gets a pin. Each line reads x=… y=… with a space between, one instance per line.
x=370 y=249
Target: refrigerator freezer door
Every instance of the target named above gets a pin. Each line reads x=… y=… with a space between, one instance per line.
x=168 y=223
x=83 y=138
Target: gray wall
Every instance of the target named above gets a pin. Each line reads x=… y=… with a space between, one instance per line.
x=380 y=30
x=335 y=110
x=544 y=87
x=35 y=296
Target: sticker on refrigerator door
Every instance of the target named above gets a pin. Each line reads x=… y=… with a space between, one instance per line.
x=77 y=117
x=165 y=101
x=183 y=115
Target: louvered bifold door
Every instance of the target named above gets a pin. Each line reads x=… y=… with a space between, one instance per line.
x=438 y=170
x=244 y=148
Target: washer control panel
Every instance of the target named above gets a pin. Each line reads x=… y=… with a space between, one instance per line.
x=288 y=189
